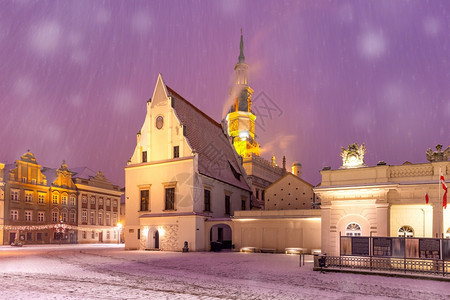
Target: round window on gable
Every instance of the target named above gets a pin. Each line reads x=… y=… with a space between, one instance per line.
x=159 y=122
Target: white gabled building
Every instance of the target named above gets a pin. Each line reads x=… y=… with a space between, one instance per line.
x=183 y=177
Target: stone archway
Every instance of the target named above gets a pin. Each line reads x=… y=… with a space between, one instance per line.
x=220 y=237
x=153 y=241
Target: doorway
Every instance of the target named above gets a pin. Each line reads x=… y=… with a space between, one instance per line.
x=12 y=237
x=100 y=237
x=156 y=239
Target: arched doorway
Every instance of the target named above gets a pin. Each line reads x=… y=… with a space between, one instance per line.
x=156 y=239
x=220 y=237
x=153 y=239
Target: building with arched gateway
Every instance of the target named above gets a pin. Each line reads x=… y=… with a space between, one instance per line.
x=383 y=200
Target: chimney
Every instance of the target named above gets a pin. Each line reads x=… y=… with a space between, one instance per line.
x=284 y=162
x=297 y=169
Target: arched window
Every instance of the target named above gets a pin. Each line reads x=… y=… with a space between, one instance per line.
x=406 y=231
x=353 y=229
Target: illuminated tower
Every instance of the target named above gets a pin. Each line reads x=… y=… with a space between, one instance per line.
x=240 y=118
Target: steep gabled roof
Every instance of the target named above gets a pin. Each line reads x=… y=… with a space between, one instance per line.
x=216 y=156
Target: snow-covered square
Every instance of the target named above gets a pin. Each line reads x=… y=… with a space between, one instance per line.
x=109 y=272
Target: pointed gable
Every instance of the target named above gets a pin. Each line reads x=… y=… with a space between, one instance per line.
x=160 y=92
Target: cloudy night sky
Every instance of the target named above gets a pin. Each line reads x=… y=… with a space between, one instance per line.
x=75 y=76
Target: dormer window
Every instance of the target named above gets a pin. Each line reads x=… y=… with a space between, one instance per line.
x=176 y=151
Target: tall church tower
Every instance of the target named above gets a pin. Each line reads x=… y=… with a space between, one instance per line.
x=240 y=118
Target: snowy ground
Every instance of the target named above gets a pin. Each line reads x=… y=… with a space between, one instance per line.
x=109 y=272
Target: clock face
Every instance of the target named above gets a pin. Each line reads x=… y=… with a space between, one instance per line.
x=159 y=122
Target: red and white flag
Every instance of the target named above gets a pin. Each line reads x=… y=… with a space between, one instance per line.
x=444 y=186
x=427 y=199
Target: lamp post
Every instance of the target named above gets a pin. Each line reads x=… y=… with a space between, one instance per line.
x=119 y=229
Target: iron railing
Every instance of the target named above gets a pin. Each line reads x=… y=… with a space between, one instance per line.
x=403 y=265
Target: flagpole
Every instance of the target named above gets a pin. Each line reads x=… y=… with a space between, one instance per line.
x=440 y=206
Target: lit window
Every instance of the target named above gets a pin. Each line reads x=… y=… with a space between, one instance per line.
x=84 y=199
x=14 y=214
x=55 y=199
x=92 y=218
x=55 y=215
x=27 y=215
x=41 y=216
x=100 y=218
x=108 y=235
x=145 y=199
x=353 y=229
x=64 y=200
x=405 y=231
x=92 y=200
x=84 y=216
x=28 y=196
x=170 y=199
x=24 y=179
x=41 y=198
x=447 y=234
x=64 y=216
x=14 y=195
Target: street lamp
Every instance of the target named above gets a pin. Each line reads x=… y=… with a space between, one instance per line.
x=119 y=229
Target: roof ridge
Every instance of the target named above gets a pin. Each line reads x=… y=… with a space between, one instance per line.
x=194 y=107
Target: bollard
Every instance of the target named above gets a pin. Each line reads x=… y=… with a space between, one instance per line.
x=186 y=247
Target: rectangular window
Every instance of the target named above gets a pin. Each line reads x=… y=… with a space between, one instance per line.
x=243 y=206
x=139 y=234
x=64 y=217
x=83 y=235
x=55 y=216
x=41 y=216
x=24 y=179
x=84 y=199
x=262 y=195
x=108 y=202
x=72 y=200
x=41 y=198
x=207 y=200
x=64 y=200
x=72 y=217
x=92 y=234
x=227 y=205
x=55 y=199
x=92 y=200
x=14 y=195
x=39 y=236
x=108 y=235
x=257 y=194
x=108 y=219
x=14 y=214
x=115 y=203
x=92 y=218
x=144 y=156
x=28 y=196
x=29 y=236
x=176 y=151
x=170 y=199
x=33 y=181
x=28 y=215
x=145 y=198
x=100 y=218
x=84 y=216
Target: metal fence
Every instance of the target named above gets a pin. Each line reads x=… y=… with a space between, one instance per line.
x=404 y=265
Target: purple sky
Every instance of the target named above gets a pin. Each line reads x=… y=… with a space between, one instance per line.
x=75 y=75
